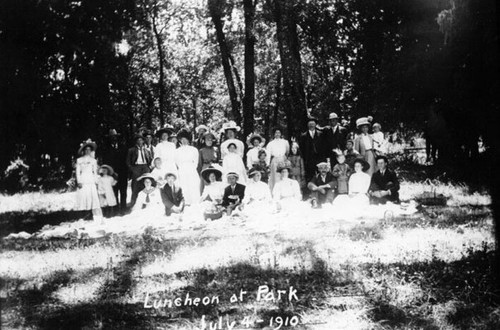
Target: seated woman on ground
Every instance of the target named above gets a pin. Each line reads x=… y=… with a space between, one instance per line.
x=257 y=193
x=286 y=191
x=211 y=198
x=359 y=183
x=150 y=197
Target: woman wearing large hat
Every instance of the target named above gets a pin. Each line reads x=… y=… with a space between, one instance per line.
x=213 y=191
x=86 y=179
x=364 y=144
x=209 y=153
x=165 y=149
x=286 y=190
x=150 y=197
x=186 y=159
x=230 y=129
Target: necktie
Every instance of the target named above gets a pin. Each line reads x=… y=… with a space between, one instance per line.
x=142 y=156
x=147 y=198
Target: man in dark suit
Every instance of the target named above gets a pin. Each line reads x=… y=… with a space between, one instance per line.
x=384 y=186
x=335 y=136
x=171 y=195
x=322 y=186
x=312 y=146
x=114 y=154
x=233 y=194
x=138 y=162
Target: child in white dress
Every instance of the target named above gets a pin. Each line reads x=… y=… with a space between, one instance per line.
x=105 y=183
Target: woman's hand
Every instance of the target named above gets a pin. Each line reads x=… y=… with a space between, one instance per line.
x=79 y=185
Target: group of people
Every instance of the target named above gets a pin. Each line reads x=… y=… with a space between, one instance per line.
x=171 y=170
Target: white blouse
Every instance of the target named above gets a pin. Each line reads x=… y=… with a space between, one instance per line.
x=213 y=190
x=277 y=148
x=257 y=192
x=359 y=183
x=155 y=201
x=287 y=189
x=253 y=156
x=166 y=151
x=366 y=141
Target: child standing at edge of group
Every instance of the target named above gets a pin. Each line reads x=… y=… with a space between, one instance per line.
x=105 y=184
x=341 y=171
x=297 y=171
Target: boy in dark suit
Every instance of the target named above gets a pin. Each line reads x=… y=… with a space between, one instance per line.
x=138 y=162
x=233 y=194
x=171 y=195
x=384 y=186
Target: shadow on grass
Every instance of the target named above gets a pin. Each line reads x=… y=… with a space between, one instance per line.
x=31 y=222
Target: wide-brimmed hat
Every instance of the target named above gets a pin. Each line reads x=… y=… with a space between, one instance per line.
x=377 y=125
x=362 y=121
x=160 y=132
x=233 y=174
x=207 y=134
x=113 y=132
x=252 y=172
x=363 y=162
x=147 y=176
x=231 y=125
x=88 y=143
x=322 y=164
x=200 y=127
x=255 y=136
x=183 y=133
x=108 y=168
x=284 y=165
x=333 y=115
x=209 y=170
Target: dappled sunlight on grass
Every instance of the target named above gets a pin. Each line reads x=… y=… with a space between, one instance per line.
x=458 y=194
x=37 y=202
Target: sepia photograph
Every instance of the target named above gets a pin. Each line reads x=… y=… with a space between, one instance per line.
x=249 y=164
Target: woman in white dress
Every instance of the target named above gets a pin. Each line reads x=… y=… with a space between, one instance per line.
x=165 y=150
x=359 y=183
x=86 y=178
x=186 y=159
x=150 y=197
x=214 y=187
x=277 y=152
x=230 y=130
x=364 y=145
x=286 y=190
x=159 y=172
x=257 y=193
x=255 y=142
x=233 y=163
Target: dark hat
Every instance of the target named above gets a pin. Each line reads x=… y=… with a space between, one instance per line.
x=312 y=118
x=363 y=163
x=138 y=136
x=170 y=174
x=147 y=132
x=88 y=143
x=160 y=132
x=148 y=176
x=209 y=170
x=183 y=133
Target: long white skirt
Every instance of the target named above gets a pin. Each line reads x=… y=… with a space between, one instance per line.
x=87 y=197
x=189 y=180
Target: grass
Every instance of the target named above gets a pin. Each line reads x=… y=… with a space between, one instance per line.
x=430 y=270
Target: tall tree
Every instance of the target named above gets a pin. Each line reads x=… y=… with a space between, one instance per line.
x=289 y=49
x=249 y=98
x=216 y=10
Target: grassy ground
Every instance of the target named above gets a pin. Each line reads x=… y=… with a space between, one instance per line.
x=431 y=270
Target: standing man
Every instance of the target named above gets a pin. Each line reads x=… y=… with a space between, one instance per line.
x=114 y=155
x=138 y=160
x=312 y=144
x=336 y=137
x=148 y=142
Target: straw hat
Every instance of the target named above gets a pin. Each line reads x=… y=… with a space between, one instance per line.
x=254 y=136
x=200 y=127
x=284 y=165
x=362 y=121
x=231 y=125
x=88 y=143
x=148 y=176
x=107 y=167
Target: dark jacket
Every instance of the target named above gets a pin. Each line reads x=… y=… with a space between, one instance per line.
x=115 y=156
x=313 y=149
x=335 y=139
x=239 y=190
x=388 y=181
x=133 y=153
x=329 y=179
x=171 y=197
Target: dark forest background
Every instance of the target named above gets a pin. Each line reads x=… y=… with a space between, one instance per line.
x=71 y=70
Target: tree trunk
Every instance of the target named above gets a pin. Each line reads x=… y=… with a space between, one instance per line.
x=249 y=99
x=289 y=48
x=161 y=64
x=215 y=8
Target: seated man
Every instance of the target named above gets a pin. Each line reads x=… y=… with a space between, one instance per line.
x=233 y=194
x=384 y=184
x=171 y=195
x=322 y=185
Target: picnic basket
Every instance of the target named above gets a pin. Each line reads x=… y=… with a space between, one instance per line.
x=432 y=198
